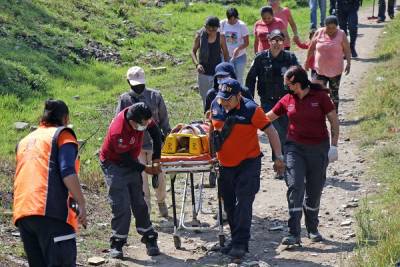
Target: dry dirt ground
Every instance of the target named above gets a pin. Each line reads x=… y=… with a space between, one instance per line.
x=347 y=184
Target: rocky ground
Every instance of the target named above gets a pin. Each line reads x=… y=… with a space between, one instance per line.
x=347 y=184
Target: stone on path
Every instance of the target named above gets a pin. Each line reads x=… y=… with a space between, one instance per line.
x=19 y=125
x=96 y=261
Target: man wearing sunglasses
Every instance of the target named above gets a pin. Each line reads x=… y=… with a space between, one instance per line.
x=268 y=69
x=122 y=169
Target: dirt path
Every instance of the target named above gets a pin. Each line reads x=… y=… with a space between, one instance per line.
x=346 y=186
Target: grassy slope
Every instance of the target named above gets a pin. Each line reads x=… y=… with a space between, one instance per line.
x=38 y=59
x=379 y=218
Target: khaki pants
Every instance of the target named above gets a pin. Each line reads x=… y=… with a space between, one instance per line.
x=160 y=192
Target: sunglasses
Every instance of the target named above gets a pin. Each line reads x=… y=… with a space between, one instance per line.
x=276 y=41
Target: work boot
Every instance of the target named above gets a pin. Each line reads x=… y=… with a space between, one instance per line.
x=116 y=254
x=151 y=244
x=226 y=249
x=291 y=240
x=163 y=209
x=237 y=251
x=315 y=237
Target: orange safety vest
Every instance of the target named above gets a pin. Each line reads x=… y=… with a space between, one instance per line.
x=38 y=185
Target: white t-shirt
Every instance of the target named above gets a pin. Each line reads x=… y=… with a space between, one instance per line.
x=234 y=35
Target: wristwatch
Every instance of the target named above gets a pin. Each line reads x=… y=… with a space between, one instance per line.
x=280 y=157
x=155 y=164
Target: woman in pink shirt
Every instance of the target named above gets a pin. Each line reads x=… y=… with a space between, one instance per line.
x=285 y=15
x=264 y=26
x=330 y=45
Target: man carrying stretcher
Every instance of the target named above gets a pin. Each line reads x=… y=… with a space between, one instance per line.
x=235 y=120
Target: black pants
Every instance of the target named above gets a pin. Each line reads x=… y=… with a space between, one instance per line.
x=125 y=195
x=238 y=186
x=382 y=8
x=348 y=21
x=48 y=242
x=305 y=178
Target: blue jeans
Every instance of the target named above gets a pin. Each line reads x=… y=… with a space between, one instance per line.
x=239 y=64
x=280 y=124
x=313 y=12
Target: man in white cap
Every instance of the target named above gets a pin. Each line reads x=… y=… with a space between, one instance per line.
x=154 y=100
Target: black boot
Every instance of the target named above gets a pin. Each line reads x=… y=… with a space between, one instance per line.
x=353 y=51
x=151 y=244
x=116 y=245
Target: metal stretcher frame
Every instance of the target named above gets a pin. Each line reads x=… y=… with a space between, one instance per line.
x=190 y=167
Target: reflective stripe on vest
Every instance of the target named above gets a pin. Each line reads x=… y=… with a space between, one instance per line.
x=38 y=185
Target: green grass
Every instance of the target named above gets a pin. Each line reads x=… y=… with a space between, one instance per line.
x=41 y=56
x=379 y=217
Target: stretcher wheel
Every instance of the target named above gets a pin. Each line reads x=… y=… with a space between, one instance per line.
x=177 y=242
x=212 y=179
x=221 y=240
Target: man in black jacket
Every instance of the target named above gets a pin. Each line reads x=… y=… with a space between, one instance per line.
x=267 y=70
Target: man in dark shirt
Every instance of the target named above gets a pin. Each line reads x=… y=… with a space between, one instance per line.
x=119 y=161
x=267 y=70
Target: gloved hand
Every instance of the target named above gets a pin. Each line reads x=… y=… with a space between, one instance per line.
x=333 y=154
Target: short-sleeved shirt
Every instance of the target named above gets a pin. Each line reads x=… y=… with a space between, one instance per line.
x=261 y=30
x=121 y=138
x=242 y=143
x=328 y=53
x=234 y=35
x=307 y=116
x=284 y=14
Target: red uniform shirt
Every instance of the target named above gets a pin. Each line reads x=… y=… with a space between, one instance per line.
x=307 y=116
x=121 y=138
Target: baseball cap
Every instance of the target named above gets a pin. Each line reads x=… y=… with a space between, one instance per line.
x=135 y=76
x=228 y=88
x=275 y=33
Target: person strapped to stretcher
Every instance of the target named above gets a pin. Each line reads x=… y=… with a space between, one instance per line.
x=188 y=139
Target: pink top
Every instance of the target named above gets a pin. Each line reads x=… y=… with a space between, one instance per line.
x=328 y=53
x=284 y=14
x=261 y=30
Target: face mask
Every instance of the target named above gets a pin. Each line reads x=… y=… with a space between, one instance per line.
x=140 y=127
x=138 y=89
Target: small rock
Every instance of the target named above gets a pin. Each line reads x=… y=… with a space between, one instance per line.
x=314 y=254
x=276 y=228
x=32 y=128
x=21 y=125
x=251 y=264
x=346 y=223
x=16 y=234
x=233 y=265
x=347 y=139
x=380 y=78
x=159 y=70
x=76 y=97
x=96 y=261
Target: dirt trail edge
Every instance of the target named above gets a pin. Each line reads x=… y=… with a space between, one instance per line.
x=346 y=185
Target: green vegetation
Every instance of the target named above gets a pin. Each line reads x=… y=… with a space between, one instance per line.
x=63 y=49
x=379 y=217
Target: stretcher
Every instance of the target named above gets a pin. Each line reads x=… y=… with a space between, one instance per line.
x=189 y=163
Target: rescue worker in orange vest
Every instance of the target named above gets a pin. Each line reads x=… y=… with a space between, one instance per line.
x=236 y=120
x=48 y=201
